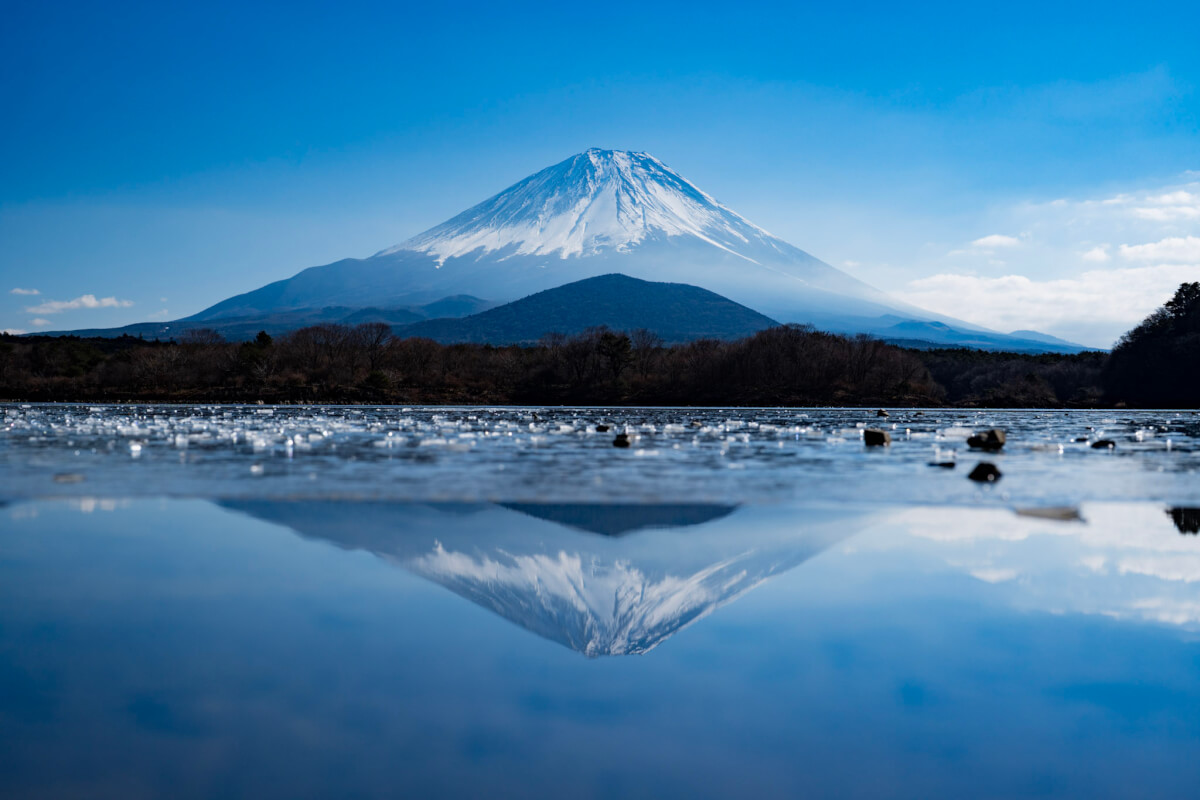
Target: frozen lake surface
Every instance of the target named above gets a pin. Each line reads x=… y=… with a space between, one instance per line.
x=358 y=602
x=535 y=455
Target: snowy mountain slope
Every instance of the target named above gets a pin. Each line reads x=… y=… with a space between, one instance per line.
x=598 y=212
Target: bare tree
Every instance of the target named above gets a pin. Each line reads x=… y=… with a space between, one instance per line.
x=646 y=347
x=373 y=338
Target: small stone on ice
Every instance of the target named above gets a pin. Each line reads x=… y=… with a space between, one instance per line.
x=873 y=437
x=992 y=439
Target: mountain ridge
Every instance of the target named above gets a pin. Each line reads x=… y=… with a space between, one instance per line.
x=676 y=312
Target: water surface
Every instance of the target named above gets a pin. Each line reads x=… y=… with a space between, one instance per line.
x=754 y=605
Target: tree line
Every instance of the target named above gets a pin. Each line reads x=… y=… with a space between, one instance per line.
x=1155 y=364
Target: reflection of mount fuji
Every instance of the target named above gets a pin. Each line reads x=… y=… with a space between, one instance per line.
x=543 y=566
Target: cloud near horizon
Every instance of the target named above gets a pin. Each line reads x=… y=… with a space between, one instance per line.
x=1172 y=249
x=1086 y=270
x=83 y=301
x=1102 y=302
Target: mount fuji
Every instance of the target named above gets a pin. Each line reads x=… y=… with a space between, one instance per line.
x=600 y=213
x=596 y=213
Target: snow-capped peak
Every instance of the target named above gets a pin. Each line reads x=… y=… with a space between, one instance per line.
x=599 y=200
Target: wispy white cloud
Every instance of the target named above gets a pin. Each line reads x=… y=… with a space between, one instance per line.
x=1098 y=254
x=163 y=314
x=996 y=240
x=38 y=322
x=1172 y=249
x=13 y=331
x=83 y=301
x=24 y=291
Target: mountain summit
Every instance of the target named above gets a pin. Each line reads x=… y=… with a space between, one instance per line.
x=595 y=202
x=598 y=212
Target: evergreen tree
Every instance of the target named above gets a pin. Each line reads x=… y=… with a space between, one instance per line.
x=1158 y=362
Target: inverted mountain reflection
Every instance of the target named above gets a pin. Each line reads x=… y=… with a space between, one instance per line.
x=599 y=579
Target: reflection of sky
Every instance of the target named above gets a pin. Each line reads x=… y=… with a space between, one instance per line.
x=1125 y=561
x=177 y=648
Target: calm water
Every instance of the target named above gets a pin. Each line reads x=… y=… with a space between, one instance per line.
x=258 y=602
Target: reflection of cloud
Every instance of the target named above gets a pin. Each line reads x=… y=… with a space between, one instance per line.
x=993 y=575
x=1167 y=568
x=1111 y=565
x=1170 y=610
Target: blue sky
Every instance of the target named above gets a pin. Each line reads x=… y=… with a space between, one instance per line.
x=1009 y=158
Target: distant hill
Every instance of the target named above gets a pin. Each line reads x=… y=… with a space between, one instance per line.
x=244 y=328
x=675 y=311
x=932 y=335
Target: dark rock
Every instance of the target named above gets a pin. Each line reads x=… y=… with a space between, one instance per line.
x=881 y=413
x=985 y=472
x=987 y=440
x=622 y=440
x=601 y=429
x=696 y=423
x=943 y=464
x=873 y=437
x=1081 y=438
x=1101 y=444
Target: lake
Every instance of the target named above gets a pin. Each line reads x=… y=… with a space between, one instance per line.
x=202 y=601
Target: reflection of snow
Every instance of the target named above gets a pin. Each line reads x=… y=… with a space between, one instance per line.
x=595 y=607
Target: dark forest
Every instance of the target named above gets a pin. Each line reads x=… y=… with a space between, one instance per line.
x=1156 y=364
